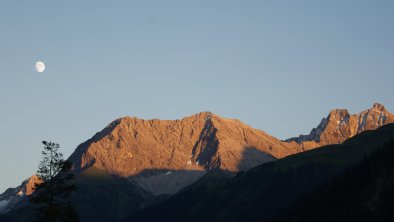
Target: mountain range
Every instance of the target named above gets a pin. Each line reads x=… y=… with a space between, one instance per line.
x=133 y=164
x=294 y=188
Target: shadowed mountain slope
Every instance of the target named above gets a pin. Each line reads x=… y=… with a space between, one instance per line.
x=262 y=192
x=15 y=197
x=363 y=193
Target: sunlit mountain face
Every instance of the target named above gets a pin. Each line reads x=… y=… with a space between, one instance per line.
x=134 y=163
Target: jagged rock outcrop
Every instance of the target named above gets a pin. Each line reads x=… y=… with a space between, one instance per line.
x=340 y=125
x=13 y=197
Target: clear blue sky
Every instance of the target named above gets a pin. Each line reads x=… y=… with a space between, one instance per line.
x=279 y=66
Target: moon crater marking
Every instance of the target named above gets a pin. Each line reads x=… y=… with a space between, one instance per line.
x=40 y=66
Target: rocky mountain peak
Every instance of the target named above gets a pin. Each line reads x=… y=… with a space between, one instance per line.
x=378 y=107
x=340 y=125
x=372 y=118
x=338 y=114
x=15 y=196
x=28 y=186
x=204 y=115
x=147 y=151
x=131 y=146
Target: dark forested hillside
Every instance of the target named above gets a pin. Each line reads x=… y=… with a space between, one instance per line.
x=363 y=193
x=263 y=192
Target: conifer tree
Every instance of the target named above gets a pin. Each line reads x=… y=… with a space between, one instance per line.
x=51 y=198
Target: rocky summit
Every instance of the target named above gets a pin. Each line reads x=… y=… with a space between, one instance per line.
x=131 y=146
x=339 y=125
x=143 y=149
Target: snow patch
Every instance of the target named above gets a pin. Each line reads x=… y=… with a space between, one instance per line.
x=20 y=193
x=168 y=173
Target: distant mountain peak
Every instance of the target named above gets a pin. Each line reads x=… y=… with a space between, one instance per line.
x=338 y=113
x=202 y=141
x=146 y=150
x=378 y=106
x=204 y=114
x=339 y=125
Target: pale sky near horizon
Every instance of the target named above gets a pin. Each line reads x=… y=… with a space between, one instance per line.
x=279 y=66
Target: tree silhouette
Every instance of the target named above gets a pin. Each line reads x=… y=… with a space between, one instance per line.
x=51 y=198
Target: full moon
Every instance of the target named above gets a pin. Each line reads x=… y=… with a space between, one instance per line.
x=40 y=66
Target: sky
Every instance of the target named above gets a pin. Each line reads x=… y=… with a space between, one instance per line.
x=279 y=66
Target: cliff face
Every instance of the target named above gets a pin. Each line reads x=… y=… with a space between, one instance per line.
x=340 y=125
